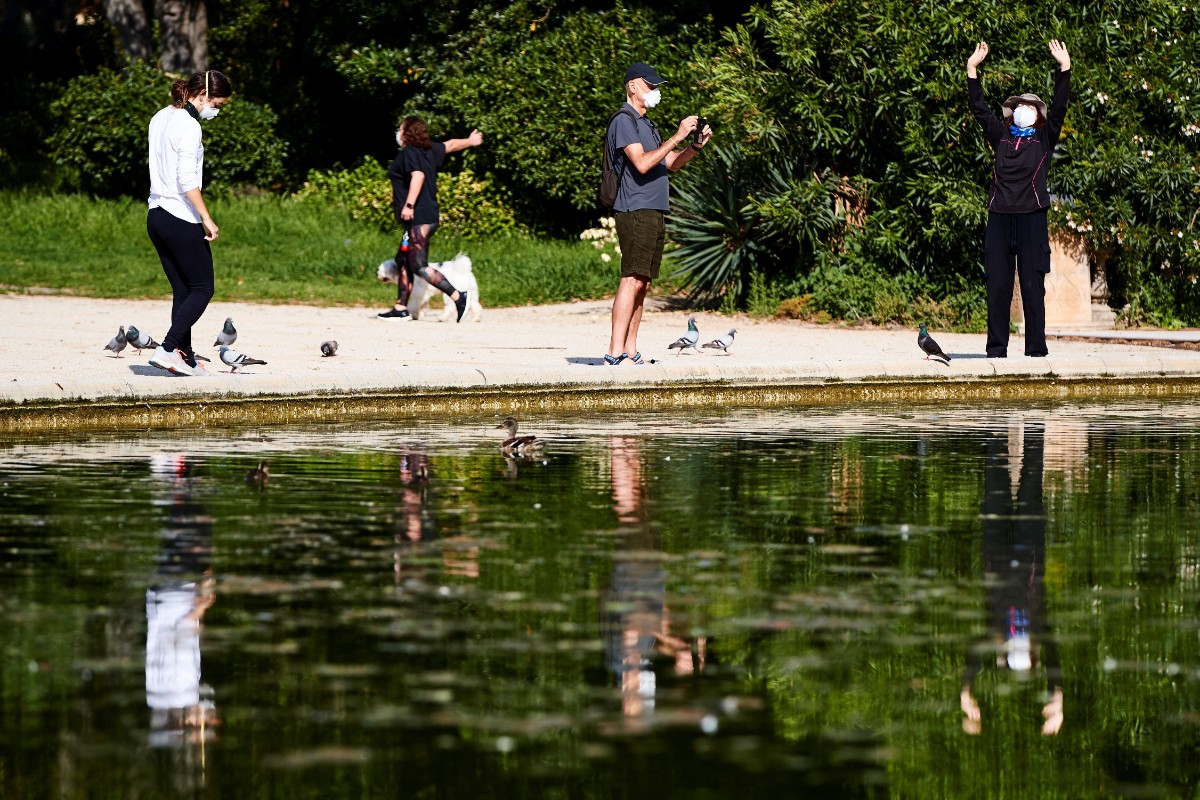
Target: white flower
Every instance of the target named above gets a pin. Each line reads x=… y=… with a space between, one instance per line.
x=605 y=257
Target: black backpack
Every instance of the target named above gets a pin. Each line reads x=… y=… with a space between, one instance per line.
x=610 y=179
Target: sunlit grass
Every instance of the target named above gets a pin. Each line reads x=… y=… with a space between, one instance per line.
x=270 y=250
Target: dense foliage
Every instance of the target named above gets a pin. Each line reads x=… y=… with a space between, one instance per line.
x=100 y=134
x=852 y=154
x=873 y=98
x=544 y=89
x=469 y=206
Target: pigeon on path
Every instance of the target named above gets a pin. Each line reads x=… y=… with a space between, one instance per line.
x=235 y=360
x=689 y=339
x=329 y=348
x=517 y=445
x=929 y=346
x=117 y=343
x=722 y=342
x=228 y=334
x=139 y=340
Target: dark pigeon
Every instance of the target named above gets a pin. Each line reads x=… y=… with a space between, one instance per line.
x=929 y=346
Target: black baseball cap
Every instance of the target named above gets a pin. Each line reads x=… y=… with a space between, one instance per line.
x=644 y=71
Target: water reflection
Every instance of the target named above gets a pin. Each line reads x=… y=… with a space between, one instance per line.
x=416 y=527
x=183 y=713
x=731 y=605
x=1014 y=563
x=642 y=636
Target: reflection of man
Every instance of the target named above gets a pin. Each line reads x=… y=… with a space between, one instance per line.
x=181 y=706
x=415 y=524
x=636 y=621
x=1014 y=555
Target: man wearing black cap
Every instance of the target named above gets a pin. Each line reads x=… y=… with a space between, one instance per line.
x=642 y=160
x=1018 y=237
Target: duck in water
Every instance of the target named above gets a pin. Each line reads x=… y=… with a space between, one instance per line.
x=517 y=445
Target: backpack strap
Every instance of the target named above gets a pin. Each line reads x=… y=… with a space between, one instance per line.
x=611 y=154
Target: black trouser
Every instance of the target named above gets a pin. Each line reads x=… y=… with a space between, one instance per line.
x=187 y=261
x=1017 y=243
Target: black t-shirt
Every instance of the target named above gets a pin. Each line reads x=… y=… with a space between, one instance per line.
x=416 y=159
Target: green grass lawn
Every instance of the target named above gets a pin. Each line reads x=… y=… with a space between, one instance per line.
x=271 y=249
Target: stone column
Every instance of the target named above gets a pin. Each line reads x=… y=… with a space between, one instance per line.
x=1068 y=287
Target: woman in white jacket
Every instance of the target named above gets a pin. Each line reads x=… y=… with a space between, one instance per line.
x=178 y=220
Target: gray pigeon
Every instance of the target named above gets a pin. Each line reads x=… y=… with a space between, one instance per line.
x=722 y=342
x=689 y=339
x=329 y=348
x=235 y=360
x=138 y=340
x=228 y=334
x=929 y=346
x=118 y=342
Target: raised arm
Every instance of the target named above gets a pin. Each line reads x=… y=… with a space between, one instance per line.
x=454 y=145
x=993 y=126
x=1057 y=113
x=981 y=51
x=644 y=161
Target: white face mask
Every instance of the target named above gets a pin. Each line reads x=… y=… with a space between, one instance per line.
x=399 y=141
x=651 y=98
x=1024 y=117
x=208 y=112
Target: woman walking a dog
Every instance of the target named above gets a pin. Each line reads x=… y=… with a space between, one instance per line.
x=414 y=199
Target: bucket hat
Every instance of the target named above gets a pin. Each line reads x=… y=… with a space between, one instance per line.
x=1026 y=99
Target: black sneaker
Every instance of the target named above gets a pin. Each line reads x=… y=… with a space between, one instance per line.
x=461 y=305
x=393 y=313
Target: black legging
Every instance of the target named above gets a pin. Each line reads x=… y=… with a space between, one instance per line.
x=1020 y=243
x=188 y=264
x=416 y=261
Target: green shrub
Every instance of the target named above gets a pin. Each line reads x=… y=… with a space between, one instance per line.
x=470 y=207
x=272 y=249
x=541 y=86
x=877 y=93
x=100 y=135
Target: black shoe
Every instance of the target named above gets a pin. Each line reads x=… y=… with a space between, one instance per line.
x=997 y=355
x=1036 y=355
x=393 y=313
x=461 y=305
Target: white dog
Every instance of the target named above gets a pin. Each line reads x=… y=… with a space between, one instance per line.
x=457 y=271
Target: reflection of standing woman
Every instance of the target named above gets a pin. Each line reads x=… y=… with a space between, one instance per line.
x=1018 y=202
x=414 y=199
x=178 y=221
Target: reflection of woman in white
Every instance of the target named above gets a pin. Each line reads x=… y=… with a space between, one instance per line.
x=175 y=604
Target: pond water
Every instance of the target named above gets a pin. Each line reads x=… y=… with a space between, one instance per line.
x=909 y=602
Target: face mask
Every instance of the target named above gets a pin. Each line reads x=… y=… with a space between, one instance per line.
x=651 y=98
x=398 y=141
x=1024 y=117
x=209 y=112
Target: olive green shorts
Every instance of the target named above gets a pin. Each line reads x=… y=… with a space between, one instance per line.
x=642 y=235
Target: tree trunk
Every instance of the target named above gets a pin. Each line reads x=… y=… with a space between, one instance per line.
x=129 y=18
x=184 y=26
